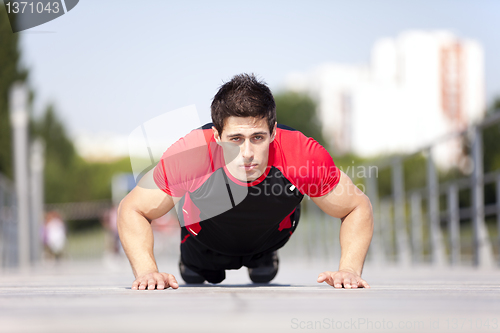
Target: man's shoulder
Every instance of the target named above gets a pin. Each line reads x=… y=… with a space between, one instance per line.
x=286 y=128
x=207 y=126
x=197 y=138
x=188 y=162
x=292 y=141
x=288 y=137
x=305 y=162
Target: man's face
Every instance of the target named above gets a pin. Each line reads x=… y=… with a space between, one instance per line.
x=249 y=139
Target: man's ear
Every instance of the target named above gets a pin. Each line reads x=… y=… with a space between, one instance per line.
x=273 y=134
x=216 y=135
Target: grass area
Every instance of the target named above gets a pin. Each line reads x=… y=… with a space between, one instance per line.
x=315 y=236
x=467 y=239
x=86 y=244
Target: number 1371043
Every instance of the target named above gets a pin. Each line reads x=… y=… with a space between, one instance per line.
x=31 y=7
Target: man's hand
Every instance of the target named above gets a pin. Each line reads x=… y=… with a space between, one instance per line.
x=154 y=280
x=348 y=280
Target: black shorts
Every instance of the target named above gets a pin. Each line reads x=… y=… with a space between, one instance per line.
x=212 y=265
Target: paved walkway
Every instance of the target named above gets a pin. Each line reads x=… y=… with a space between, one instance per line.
x=96 y=297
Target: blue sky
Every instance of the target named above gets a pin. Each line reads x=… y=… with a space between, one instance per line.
x=110 y=65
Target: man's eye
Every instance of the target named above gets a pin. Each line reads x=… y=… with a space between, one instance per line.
x=258 y=137
x=235 y=139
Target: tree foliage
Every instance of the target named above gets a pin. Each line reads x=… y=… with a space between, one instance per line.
x=299 y=112
x=491 y=141
x=491 y=152
x=68 y=177
x=10 y=72
x=59 y=146
x=60 y=157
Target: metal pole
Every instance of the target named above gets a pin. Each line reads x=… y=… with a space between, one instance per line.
x=13 y=231
x=336 y=238
x=19 y=121
x=454 y=224
x=498 y=214
x=483 y=253
x=301 y=235
x=3 y=224
x=9 y=239
x=308 y=231
x=376 y=247
x=313 y=240
x=330 y=247
x=437 y=248
x=37 y=200
x=417 y=239
x=386 y=229
x=403 y=250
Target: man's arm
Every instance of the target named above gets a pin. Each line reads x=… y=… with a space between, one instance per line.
x=144 y=203
x=353 y=207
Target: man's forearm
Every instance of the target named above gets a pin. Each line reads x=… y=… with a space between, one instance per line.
x=355 y=236
x=136 y=236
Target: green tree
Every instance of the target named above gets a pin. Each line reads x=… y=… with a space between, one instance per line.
x=68 y=177
x=10 y=72
x=299 y=111
x=60 y=156
x=59 y=147
x=491 y=152
x=491 y=141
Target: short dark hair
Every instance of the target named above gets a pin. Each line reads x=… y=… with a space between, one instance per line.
x=243 y=96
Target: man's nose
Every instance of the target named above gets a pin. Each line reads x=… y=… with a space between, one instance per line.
x=247 y=150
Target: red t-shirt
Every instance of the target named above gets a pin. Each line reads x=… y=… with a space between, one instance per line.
x=239 y=218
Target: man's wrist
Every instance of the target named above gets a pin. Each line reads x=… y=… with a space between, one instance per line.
x=350 y=270
x=143 y=272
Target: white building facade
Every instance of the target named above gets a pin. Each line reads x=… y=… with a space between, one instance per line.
x=418 y=87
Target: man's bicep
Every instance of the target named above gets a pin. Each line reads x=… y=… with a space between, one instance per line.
x=147 y=199
x=342 y=200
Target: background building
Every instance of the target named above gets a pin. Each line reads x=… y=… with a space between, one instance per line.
x=418 y=87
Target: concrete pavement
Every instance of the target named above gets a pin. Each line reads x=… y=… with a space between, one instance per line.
x=96 y=297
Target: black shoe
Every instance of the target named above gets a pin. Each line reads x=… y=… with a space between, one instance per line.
x=188 y=275
x=266 y=270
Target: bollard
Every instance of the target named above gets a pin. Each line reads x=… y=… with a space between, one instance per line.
x=376 y=247
x=498 y=215
x=402 y=248
x=417 y=239
x=454 y=224
x=18 y=100
x=437 y=248
x=386 y=228
x=483 y=253
x=37 y=198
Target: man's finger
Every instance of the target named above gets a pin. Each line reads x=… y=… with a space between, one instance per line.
x=326 y=277
x=142 y=285
x=135 y=285
x=347 y=283
x=364 y=283
x=160 y=285
x=337 y=281
x=151 y=284
x=172 y=282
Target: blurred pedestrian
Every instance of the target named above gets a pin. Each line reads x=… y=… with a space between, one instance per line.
x=113 y=244
x=54 y=235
